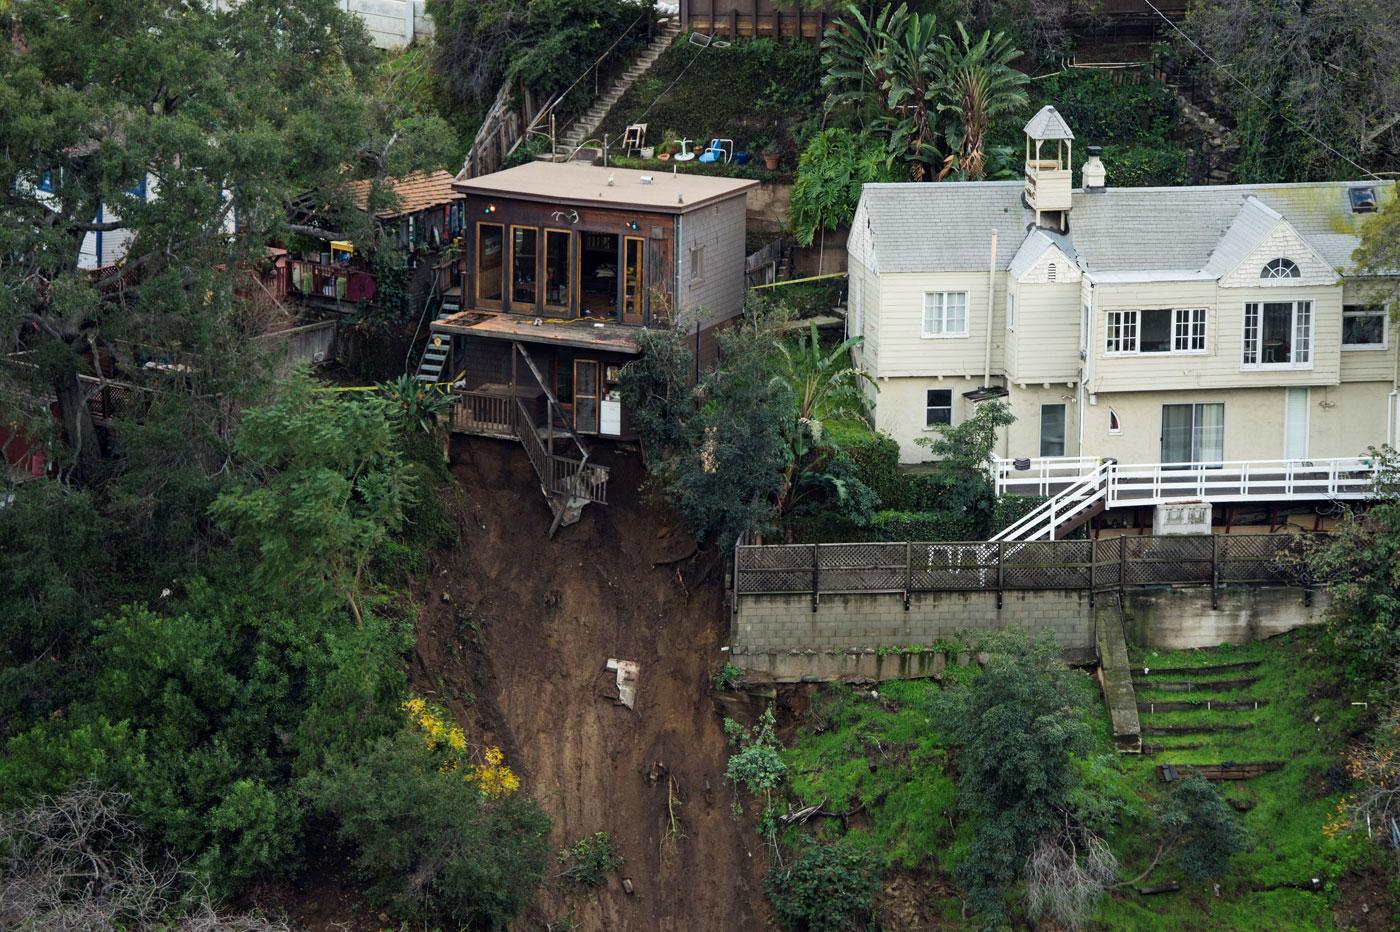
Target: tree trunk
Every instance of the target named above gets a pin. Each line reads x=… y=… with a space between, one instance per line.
x=78 y=429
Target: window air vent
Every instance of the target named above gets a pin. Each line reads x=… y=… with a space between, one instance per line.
x=1363 y=200
x=1050 y=272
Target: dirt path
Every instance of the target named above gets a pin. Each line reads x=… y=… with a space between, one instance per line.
x=549 y=615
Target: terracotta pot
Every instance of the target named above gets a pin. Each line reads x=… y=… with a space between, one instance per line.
x=770 y=161
x=664 y=156
x=697 y=149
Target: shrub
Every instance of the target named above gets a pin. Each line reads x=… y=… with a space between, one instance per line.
x=828 y=888
x=430 y=844
x=590 y=860
x=1209 y=832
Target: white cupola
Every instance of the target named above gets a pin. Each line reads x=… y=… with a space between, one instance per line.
x=1049 y=178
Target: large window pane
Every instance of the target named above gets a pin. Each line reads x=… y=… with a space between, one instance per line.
x=633 y=252
x=524 y=264
x=1210 y=433
x=557 y=268
x=490 y=259
x=1177 y=423
x=1276 y=333
x=1156 y=332
x=1052 y=430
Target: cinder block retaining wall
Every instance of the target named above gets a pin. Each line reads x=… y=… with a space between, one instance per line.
x=870 y=636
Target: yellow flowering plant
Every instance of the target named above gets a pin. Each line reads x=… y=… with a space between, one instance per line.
x=484 y=766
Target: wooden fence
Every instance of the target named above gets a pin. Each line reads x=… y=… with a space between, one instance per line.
x=756 y=18
x=1093 y=565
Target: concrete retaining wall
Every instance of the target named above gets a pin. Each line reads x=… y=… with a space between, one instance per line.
x=871 y=637
x=1172 y=619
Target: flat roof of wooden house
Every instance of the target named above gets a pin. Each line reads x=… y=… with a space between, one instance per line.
x=579 y=184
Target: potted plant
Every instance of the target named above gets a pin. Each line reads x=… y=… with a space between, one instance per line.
x=648 y=151
x=770 y=156
x=670 y=145
x=741 y=157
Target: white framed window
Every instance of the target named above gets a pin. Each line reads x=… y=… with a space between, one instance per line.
x=945 y=314
x=1157 y=330
x=938 y=407
x=1115 y=426
x=1365 y=327
x=1122 y=332
x=1010 y=312
x=1279 y=268
x=1189 y=330
x=1277 y=335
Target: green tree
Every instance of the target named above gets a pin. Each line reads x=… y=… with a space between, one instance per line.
x=224 y=116
x=830 y=174
x=1312 y=112
x=1359 y=563
x=963 y=474
x=431 y=846
x=823 y=384
x=828 y=888
x=1019 y=727
x=328 y=488
x=1203 y=829
x=656 y=388
x=980 y=86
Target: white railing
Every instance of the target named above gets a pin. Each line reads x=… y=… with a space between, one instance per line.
x=1232 y=480
x=1043 y=475
x=1242 y=480
x=1071 y=502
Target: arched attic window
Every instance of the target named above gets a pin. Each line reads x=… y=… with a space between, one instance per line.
x=1279 y=268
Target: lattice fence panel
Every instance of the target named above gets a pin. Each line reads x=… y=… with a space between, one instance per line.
x=1108 y=562
x=936 y=567
x=1047 y=564
x=774 y=568
x=1256 y=558
x=1160 y=560
x=861 y=567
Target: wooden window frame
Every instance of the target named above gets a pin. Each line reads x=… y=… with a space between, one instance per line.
x=535 y=305
x=476 y=265
x=568 y=306
x=641 y=281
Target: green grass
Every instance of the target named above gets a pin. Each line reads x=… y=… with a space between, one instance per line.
x=1291 y=806
x=887 y=758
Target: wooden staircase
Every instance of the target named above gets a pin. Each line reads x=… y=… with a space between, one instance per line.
x=587 y=123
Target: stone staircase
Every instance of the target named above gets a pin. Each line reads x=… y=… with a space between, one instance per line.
x=582 y=129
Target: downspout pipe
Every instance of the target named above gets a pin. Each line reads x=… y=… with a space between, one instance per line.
x=991 y=302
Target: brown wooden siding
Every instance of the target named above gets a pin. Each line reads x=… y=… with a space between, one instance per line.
x=657 y=229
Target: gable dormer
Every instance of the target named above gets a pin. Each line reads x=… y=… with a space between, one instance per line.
x=1042 y=261
x=1049 y=145
x=1282 y=258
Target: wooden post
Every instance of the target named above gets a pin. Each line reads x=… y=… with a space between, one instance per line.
x=1001 y=552
x=1214 y=573
x=908 y=572
x=816 y=576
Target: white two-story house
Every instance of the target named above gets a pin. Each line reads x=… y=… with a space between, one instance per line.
x=1149 y=325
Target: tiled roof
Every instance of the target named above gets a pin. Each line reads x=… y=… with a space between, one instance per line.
x=935 y=227
x=416 y=191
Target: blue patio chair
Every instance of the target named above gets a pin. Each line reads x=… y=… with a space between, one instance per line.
x=719 y=150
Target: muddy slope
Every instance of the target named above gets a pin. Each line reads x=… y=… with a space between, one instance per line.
x=546 y=615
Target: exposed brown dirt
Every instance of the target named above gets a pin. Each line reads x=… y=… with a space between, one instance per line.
x=514 y=637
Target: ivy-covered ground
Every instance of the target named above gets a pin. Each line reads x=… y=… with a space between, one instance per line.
x=882 y=758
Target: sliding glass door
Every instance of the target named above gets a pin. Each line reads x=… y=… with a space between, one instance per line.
x=1193 y=433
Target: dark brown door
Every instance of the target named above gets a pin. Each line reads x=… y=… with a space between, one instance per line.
x=586 y=396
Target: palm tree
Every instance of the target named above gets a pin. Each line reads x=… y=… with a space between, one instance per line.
x=824 y=385
x=979 y=85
